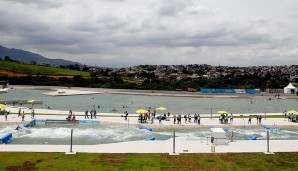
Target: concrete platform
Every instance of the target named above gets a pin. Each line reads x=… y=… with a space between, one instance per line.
x=152 y=146
x=116 y=118
x=245 y=146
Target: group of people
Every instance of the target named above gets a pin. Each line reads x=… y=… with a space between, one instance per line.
x=143 y=117
x=22 y=114
x=290 y=116
x=2 y=111
x=71 y=116
x=224 y=118
x=259 y=119
x=187 y=118
x=5 y=113
x=92 y=114
x=161 y=117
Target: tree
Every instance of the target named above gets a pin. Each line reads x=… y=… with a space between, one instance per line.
x=7 y=58
x=85 y=68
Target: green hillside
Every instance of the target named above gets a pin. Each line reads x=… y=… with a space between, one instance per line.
x=35 y=69
x=15 y=161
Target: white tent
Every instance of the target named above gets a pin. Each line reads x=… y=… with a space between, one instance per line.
x=290 y=89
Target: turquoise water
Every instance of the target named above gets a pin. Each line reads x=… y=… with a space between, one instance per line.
x=97 y=134
x=131 y=103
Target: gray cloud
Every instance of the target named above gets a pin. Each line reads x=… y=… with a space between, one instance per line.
x=154 y=31
x=173 y=7
x=39 y=3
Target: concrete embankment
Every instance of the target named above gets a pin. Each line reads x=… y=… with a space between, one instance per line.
x=245 y=146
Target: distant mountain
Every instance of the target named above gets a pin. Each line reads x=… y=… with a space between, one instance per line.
x=27 y=57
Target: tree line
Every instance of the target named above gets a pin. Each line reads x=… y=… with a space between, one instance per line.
x=241 y=81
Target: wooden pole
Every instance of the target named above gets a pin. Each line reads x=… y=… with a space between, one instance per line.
x=211 y=112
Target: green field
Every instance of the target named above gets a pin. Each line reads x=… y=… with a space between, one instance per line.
x=35 y=69
x=86 y=161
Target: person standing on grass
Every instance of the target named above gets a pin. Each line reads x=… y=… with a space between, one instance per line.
x=249 y=120
x=231 y=118
x=160 y=118
x=91 y=113
x=32 y=114
x=94 y=113
x=5 y=113
x=289 y=117
x=220 y=118
x=195 y=118
x=126 y=115
x=179 y=119
x=174 y=119
x=86 y=114
x=258 y=120
x=23 y=116
x=232 y=136
x=199 y=119
x=73 y=117
x=19 y=114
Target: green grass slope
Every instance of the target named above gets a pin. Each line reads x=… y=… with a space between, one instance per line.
x=151 y=162
x=35 y=69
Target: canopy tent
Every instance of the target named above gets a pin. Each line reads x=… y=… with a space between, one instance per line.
x=290 y=89
x=222 y=112
x=161 y=108
x=2 y=106
x=142 y=111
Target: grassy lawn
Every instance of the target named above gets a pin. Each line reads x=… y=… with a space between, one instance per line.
x=87 y=161
x=34 y=69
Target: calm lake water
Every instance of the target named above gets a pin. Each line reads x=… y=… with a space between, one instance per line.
x=131 y=103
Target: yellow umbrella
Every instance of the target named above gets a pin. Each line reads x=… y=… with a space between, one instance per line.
x=142 y=111
x=31 y=101
x=222 y=112
x=2 y=106
x=292 y=111
x=161 y=108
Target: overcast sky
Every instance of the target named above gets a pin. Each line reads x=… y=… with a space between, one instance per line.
x=121 y=33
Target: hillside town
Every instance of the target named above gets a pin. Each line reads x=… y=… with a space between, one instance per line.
x=195 y=71
x=180 y=72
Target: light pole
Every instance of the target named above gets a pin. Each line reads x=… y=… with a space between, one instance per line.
x=211 y=112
